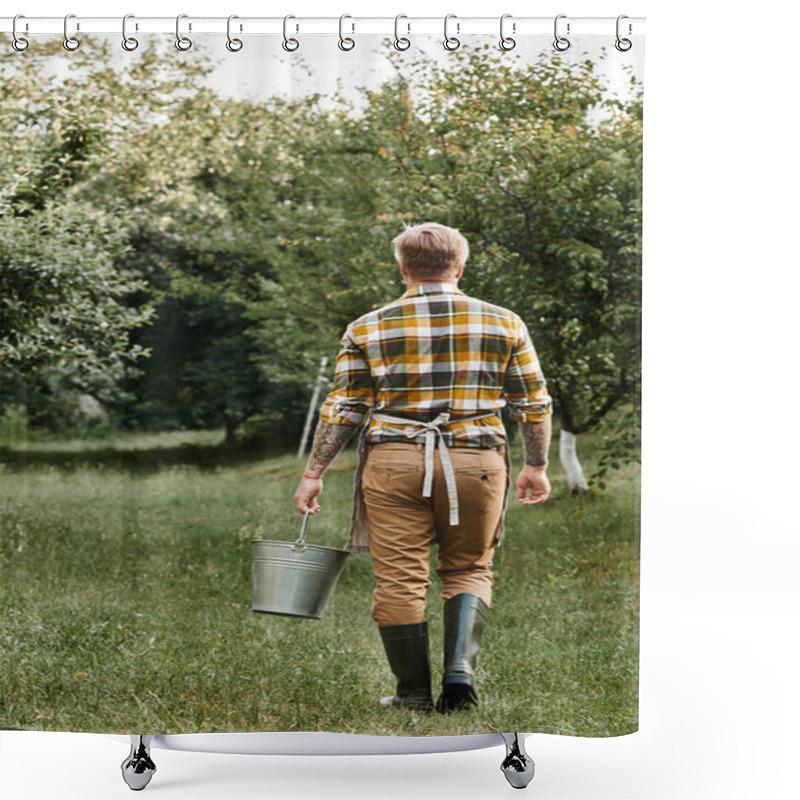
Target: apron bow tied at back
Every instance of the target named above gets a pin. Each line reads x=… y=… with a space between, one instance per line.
x=433 y=432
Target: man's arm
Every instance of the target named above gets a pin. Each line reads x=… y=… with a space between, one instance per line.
x=536 y=440
x=533 y=487
x=343 y=412
x=530 y=404
x=329 y=439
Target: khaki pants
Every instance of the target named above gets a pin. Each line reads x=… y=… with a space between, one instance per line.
x=403 y=526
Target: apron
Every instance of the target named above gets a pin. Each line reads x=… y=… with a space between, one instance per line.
x=358 y=542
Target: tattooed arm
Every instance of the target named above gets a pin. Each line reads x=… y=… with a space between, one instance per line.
x=533 y=487
x=329 y=439
x=536 y=438
x=525 y=391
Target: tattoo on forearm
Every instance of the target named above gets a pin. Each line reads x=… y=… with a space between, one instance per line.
x=536 y=439
x=329 y=439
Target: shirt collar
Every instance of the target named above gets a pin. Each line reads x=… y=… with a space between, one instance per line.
x=433 y=288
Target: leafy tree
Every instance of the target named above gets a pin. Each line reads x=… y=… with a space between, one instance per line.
x=65 y=307
x=63 y=301
x=541 y=168
x=69 y=304
x=304 y=250
x=104 y=199
x=264 y=227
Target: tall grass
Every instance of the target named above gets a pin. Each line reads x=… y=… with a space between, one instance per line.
x=126 y=593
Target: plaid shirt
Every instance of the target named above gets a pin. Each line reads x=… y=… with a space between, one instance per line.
x=436 y=350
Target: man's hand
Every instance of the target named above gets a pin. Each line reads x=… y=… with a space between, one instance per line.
x=305 y=498
x=533 y=488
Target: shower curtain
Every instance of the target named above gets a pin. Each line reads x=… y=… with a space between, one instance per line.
x=188 y=226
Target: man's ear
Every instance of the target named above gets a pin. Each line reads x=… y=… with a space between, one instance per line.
x=459 y=271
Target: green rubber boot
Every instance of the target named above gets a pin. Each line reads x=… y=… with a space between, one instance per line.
x=464 y=620
x=406 y=648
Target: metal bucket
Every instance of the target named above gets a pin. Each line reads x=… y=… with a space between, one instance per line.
x=294 y=579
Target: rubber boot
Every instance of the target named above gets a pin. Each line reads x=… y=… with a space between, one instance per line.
x=406 y=648
x=464 y=620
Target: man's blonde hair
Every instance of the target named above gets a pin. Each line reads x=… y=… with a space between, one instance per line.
x=429 y=250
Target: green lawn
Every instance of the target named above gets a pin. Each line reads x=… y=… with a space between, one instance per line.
x=126 y=592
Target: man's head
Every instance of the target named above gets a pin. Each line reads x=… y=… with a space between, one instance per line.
x=431 y=252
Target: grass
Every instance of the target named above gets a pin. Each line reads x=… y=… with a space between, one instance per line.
x=126 y=594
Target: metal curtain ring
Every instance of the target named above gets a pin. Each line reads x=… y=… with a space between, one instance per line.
x=234 y=45
x=345 y=42
x=506 y=42
x=289 y=44
x=561 y=43
x=623 y=45
x=19 y=43
x=182 y=43
x=451 y=42
x=401 y=42
x=70 y=42
x=129 y=43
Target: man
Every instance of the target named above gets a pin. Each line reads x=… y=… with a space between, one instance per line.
x=429 y=374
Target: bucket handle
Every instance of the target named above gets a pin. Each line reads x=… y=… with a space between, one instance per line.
x=301 y=540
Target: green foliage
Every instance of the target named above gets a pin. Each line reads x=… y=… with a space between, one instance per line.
x=536 y=163
x=541 y=168
x=63 y=298
x=13 y=424
x=248 y=234
x=70 y=298
x=620 y=443
x=201 y=372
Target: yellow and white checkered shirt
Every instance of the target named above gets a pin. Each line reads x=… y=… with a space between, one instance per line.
x=437 y=350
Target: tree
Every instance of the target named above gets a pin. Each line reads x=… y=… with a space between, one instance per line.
x=267 y=223
x=305 y=248
x=538 y=164
x=541 y=168
x=103 y=199
x=69 y=299
x=65 y=312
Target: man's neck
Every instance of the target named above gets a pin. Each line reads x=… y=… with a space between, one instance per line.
x=412 y=283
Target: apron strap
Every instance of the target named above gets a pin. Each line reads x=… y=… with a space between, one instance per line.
x=433 y=434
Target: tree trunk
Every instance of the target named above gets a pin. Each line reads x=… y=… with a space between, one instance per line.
x=230 y=430
x=568 y=454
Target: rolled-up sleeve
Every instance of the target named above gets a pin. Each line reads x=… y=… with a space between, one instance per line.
x=352 y=395
x=525 y=388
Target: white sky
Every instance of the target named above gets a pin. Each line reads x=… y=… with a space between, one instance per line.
x=262 y=68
